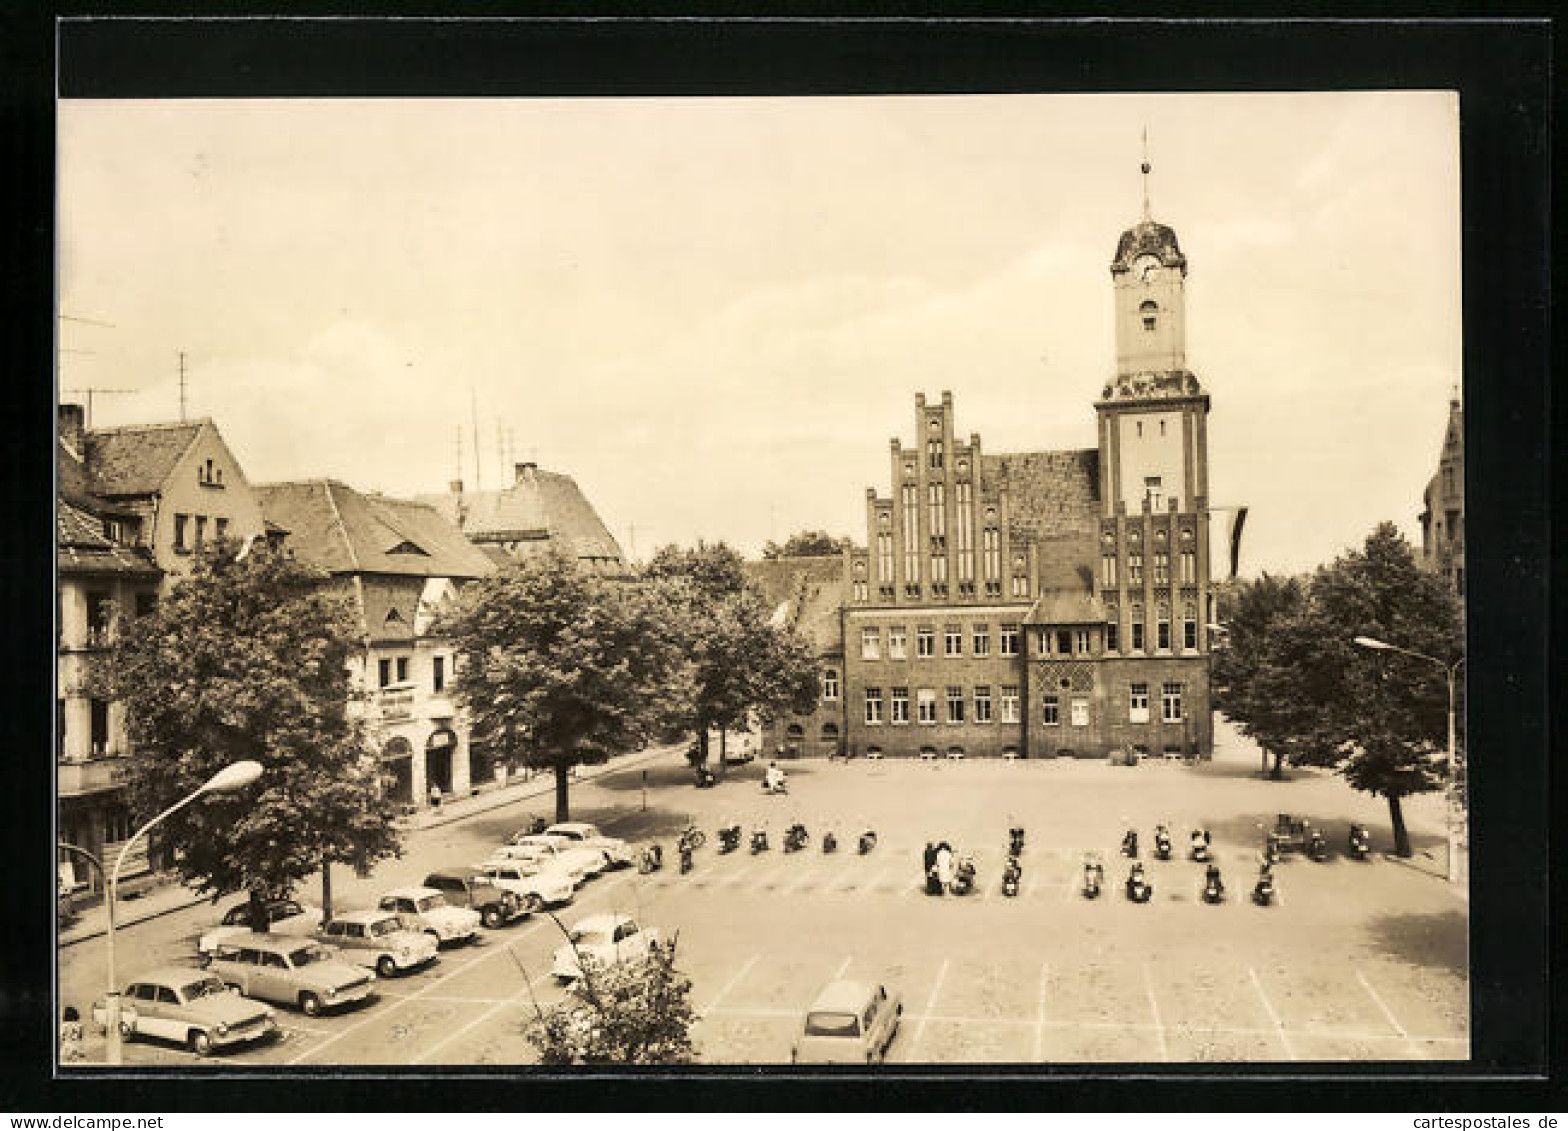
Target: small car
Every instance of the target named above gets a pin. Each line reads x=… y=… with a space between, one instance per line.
x=532 y=880
x=592 y=861
x=290 y=971
x=848 y=1023
x=602 y=940
x=571 y=867
x=427 y=910
x=284 y=917
x=192 y=1007
x=471 y=887
x=585 y=835
x=379 y=940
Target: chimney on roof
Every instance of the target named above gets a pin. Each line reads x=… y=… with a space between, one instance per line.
x=72 y=425
x=526 y=471
x=455 y=486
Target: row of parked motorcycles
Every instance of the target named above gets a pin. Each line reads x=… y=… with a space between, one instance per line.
x=796 y=838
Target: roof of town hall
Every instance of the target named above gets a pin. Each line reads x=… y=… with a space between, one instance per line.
x=540 y=506
x=1050 y=494
x=341 y=530
x=137 y=459
x=805 y=593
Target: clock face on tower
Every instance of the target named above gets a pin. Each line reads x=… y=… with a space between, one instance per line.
x=1147 y=268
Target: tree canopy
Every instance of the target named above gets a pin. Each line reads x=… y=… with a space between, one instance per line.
x=557 y=666
x=249 y=658
x=808 y=544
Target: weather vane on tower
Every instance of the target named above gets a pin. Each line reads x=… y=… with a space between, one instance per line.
x=1146 y=167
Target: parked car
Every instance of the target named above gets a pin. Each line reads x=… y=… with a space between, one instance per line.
x=544 y=857
x=379 y=940
x=616 y=850
x=471 y=887
x=290 y=971
x=602 y=940
x=534 y=881
x=848 y=1023
x=192 y=1007
x=564 y=849
x=284 y=917
x=427 y=910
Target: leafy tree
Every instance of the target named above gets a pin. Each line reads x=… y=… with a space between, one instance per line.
x=631 y=1012
x=807 y=544
x=562 y=666
x=1383 y=712
x=249 y=658
x=746 y=669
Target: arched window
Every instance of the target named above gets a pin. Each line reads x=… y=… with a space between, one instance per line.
x=829 y=732
x=1149 y=312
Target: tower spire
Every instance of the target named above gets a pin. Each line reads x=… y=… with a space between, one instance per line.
x=1146 y=167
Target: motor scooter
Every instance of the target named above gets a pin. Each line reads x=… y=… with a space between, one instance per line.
x=1317 y=846
x=1015 y=841
x=868 y=841
x=759 y=840
x=1012 y=875
x=934 y=884
x=705 y=778
x=963 y=876
x=1130 y=843
x=1360 y=843
x=1162 y=842
x=1213 y=887
x=1199 y=845
x=729 y=838
x=1263 y=890
x=1139 y=890
x=685 y=858
x=1093 y=879
x=651 y=860
x=829 y=842
x=796 y=837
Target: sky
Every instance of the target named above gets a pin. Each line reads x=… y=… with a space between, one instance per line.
x=715 y=313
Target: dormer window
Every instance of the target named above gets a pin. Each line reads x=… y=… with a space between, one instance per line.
x=407 y=548
x=1149 y=311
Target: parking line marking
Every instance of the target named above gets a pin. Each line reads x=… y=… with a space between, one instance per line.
x=443 y=997
x=730 y=985
x=1039 y=1021
x=485 y=1016
x=1387 y=1012
x=1154 y=1009
x=843 y=966
x=936 y=988
x=1279 y=1026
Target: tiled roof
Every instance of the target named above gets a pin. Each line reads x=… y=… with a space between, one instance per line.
x=389 y=607
x=82 y=546
x=810 y=594
x=1051 y=494
x=341 y=530
x=75 y=484
x=1066 y=607
x=137 y=460
x=540 y=504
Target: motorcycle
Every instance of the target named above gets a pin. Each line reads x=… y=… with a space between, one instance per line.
x=1213 y=887
x=759 y=841
x=693 y=838
x=705 y=778
x=796 y=838
x=1139 y=890
x=1093 y=880
x=1130 y=843
x=1200 y=845
x=685 y=858
x=1015 y=841
x=963 y=877
x=1263 y=890
x=651 y=860
x=1162 y=843
x=1012 y=875
x=729 y=838
x=868 y=841
x=934 y=881
x=1360 y=843
x=1317 y=846
x=829 y=842
x=1271 y=851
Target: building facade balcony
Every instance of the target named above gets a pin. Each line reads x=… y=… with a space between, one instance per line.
x=96 y=773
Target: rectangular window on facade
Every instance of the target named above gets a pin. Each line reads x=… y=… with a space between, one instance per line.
x=991 y=551
x=1064 y=642
x=1020 y=586
x=861 y=592
x=1042 y=643
x=181 y=521
x=1009 y=702
x=201 y=530
x=982 y=704
x=1051 y=710
x=438 y=674
x=953 y=640
x=885 y=555
x=955 y=704
x=934 y=453
x=1170 y=702
x=897 y=642
x=100 y=725
x=1080 y=712
x=981 y=639
x=939 y=570
x=1108 y=571
x=383 y=672
x=1135 y=568
x=1162 y=568
x=1081 y=641
x=925 y=641
x=925 y=700
x=1137 y=636
x=830 y=685
x=1009 y=640
x=1189 y=634
x=1189 y=566
x=871 y=643
x=873 y=706
x=1138 y=703
x=1112 y=636
x=402 y=669
x=900 y=706
x=938 y=499
x=221 y=528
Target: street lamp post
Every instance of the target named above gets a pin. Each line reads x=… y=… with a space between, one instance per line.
x=1452 y=672
x=226 y=780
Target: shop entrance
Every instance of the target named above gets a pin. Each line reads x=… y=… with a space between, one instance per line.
x=438 y=760
x=397 y=771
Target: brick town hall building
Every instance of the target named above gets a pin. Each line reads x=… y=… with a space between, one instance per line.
x=1034 y=603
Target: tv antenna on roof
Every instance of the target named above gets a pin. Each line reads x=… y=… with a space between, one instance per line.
x=88 y=423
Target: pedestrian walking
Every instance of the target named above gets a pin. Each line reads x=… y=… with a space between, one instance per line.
x=71 y=1035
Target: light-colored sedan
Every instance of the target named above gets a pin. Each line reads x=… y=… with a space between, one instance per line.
x=426 y=910
x=848 y=1023
x=192 y=1007
x=379 y=940
x=589 y=836
x=544 y=857
x=532 y=880
x=291 y=971
x=602 y=940
x=284 y=917
x=565 y=850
